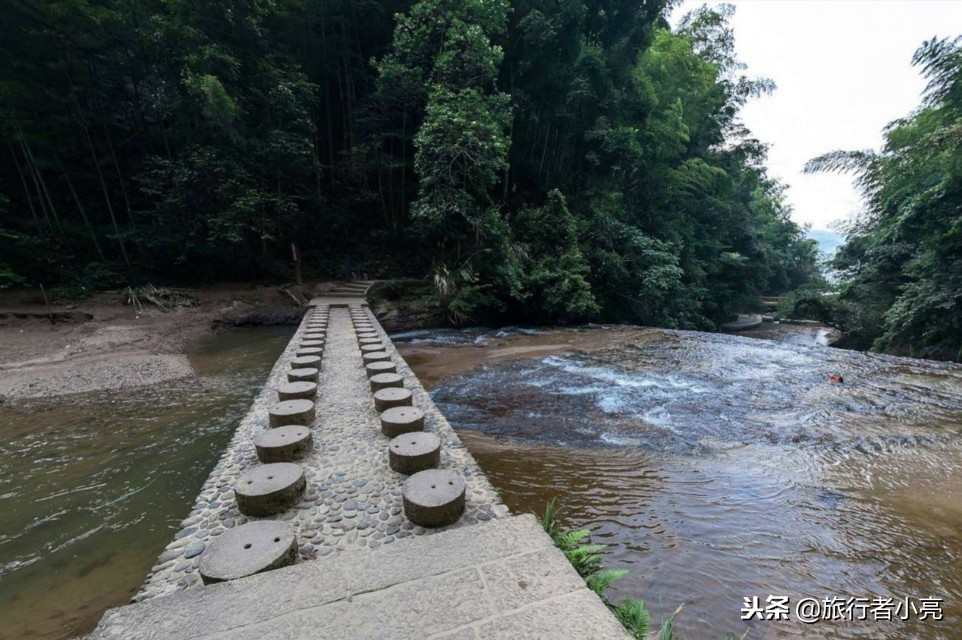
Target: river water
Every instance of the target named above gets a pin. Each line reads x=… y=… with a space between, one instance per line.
x=713 y=467
x=718 y=467
x=93 y=486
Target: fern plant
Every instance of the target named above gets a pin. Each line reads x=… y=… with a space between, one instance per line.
x=586 y=559
x=633 y=616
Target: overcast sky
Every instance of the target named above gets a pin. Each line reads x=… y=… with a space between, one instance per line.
x=843 y=70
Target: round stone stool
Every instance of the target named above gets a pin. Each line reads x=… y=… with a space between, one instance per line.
x=314 y=334
x=413 y=452
x=434 y=498
x=363 y=325
x=301 y=390
x=369 y=341
x=369 y=334
x=291 y=412
x=269 y=489
x=400 y=420
x=248 y=549
x=392 y=397
x=371 y=348
x=305 y=361
x=283 y=444
x=307 y=374
x=309 y=351
x=384 y=366
x=312 y=343
x=384 y=380
x=376 y=356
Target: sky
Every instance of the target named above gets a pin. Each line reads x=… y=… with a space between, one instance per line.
x=843 y=71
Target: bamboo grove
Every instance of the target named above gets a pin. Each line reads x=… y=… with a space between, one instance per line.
x=541 y=160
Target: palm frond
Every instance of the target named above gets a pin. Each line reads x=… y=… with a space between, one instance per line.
x=841 y=162
x=941 y=63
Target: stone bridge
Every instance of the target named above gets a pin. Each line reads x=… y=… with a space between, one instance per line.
x=346 y=506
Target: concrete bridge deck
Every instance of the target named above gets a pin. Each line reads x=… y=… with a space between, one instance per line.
x=499 y=580
x=363 y=568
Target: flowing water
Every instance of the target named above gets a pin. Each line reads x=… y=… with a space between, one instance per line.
x=721 y=467
x=93 y=486
x=714 y=468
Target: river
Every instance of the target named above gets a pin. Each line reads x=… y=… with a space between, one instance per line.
x=718 y=467
x=714 y=467
x=93 y=486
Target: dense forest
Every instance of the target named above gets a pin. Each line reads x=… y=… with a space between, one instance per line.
x=545 y=160
x=900 y=270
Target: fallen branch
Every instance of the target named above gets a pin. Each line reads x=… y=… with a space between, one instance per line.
x=163 y=298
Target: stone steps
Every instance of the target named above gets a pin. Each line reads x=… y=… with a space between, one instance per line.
x=349 y=290
x=499 y=579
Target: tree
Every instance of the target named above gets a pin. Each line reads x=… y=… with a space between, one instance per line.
x=901 y=266
x=545 y=160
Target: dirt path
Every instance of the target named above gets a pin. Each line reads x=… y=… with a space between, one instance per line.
x=104 y=344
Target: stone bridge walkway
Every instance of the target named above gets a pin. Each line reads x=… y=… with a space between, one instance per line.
x=362 y=568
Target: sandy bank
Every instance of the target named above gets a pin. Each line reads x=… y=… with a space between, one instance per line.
x=103 y=344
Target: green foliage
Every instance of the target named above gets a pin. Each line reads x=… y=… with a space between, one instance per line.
x=585 y=558
x=900 y=269
x=461 y=148
x=634 y=617
x=217 y=106
x=554 y=276
x=579 y=159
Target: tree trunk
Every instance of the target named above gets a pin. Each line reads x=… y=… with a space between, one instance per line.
x=327 y=103
x=103 y=186
x=23 y=181
x=43 y=184
x=404 y=163
x=36 y=185
x=80 y=208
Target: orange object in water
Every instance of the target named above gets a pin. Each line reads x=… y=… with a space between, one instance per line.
x=836 y=378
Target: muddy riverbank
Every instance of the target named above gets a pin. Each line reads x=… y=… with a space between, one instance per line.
x=103 y=344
